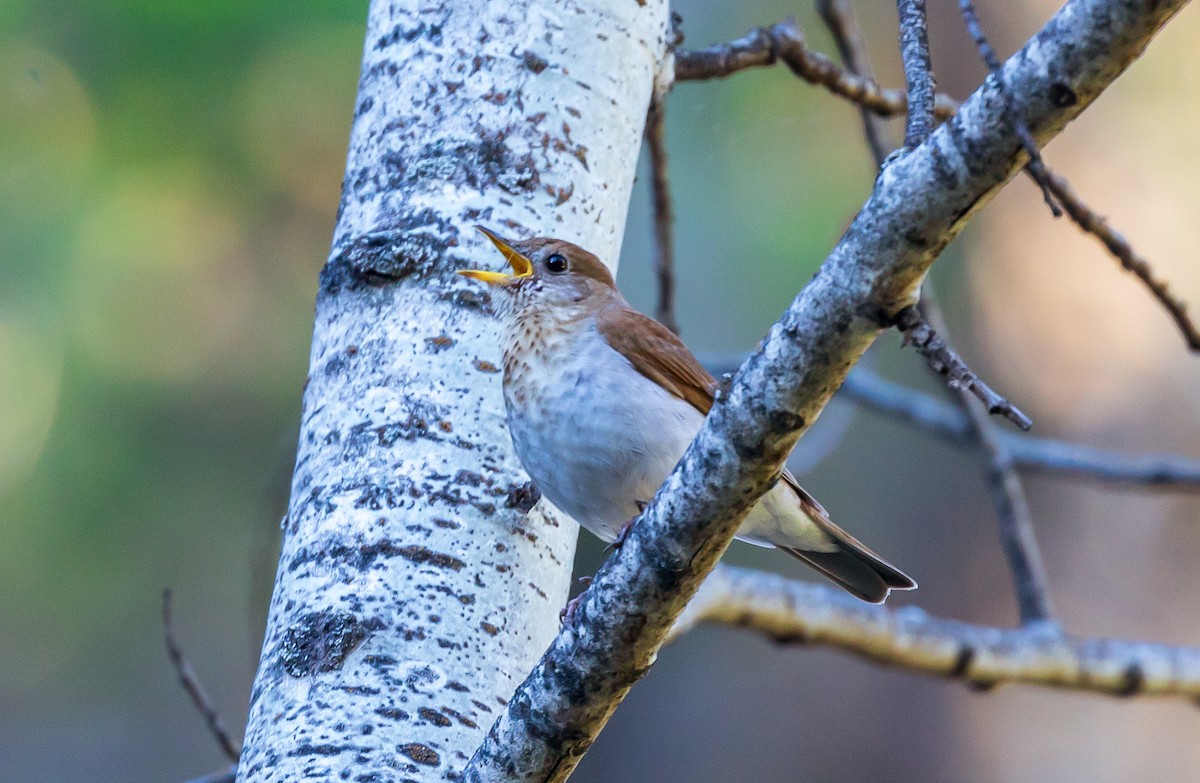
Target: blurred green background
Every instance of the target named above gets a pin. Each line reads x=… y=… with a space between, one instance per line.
x=169 y=175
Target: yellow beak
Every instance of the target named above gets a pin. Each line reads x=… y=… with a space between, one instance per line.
x=521 y=266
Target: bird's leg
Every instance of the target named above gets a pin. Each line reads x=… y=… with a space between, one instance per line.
x=623 y=533
x=567 y=615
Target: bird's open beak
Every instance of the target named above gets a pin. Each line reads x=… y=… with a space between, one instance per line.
x=521 y=266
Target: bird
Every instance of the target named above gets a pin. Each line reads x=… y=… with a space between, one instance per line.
x=602 y=401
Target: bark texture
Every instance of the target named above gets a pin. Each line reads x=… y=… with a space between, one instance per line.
x=920 y=202
x=418 y=580
x=793 y=612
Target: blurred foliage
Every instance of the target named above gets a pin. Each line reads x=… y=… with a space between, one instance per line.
x=169 y=175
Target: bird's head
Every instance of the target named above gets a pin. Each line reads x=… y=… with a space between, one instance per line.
x=546 y=274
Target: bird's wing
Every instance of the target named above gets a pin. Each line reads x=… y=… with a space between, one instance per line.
x=658 y=354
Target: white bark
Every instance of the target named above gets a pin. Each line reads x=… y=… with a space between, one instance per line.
x=414 y=591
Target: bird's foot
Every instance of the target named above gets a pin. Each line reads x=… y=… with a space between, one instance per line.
x=566 y=617
x=623 y=533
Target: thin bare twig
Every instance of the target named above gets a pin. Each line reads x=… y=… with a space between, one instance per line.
x=1035 y=167
x=1035 y=455
x=784 y=42
x=791 y=611
x=838 y=16
x=945 y=362
x=191 y=683
x=1130 y=259
x=1021 y=551
x=918 y=71
x=1039 y=455
x=664 y=218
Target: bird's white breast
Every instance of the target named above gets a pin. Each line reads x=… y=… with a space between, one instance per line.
x=595 y=435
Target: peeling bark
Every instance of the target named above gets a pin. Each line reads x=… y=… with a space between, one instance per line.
x=418 y=581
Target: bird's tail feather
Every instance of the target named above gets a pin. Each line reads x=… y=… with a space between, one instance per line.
x=857 y=570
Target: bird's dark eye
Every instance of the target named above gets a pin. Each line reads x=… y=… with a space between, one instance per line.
x=557 y=263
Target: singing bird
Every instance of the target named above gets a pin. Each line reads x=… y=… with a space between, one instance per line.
x=602 y=402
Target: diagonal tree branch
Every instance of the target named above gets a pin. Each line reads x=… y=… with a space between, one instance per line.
x=921 y=201
x=790 y=611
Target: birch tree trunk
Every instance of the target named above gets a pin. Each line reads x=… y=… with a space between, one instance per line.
x=418 y=583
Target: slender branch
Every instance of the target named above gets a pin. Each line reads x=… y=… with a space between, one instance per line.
x=1017 y=539
x=838 y=16
x=1035 y=166
x=946 y=362
x=191 y=684
x=919 y=204
x=791 y=611
x=1036 y=455
x=1130 y=259
x=1040 y=455
x=918 y=71
x=784 y=42
x=664 y=218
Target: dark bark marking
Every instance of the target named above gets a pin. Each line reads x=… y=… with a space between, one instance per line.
x=534 y=62
x=468 y=299
x=362 y=556
x=422 y=754
x=320 y=642
x=414 y=244
x=962 y=662
x=458 y=716
x=522 y=497
x=1062 y=95
x=397 y=34
x=433 y=716
x=1133 y=680
x=326 y=749
x=391 y=713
